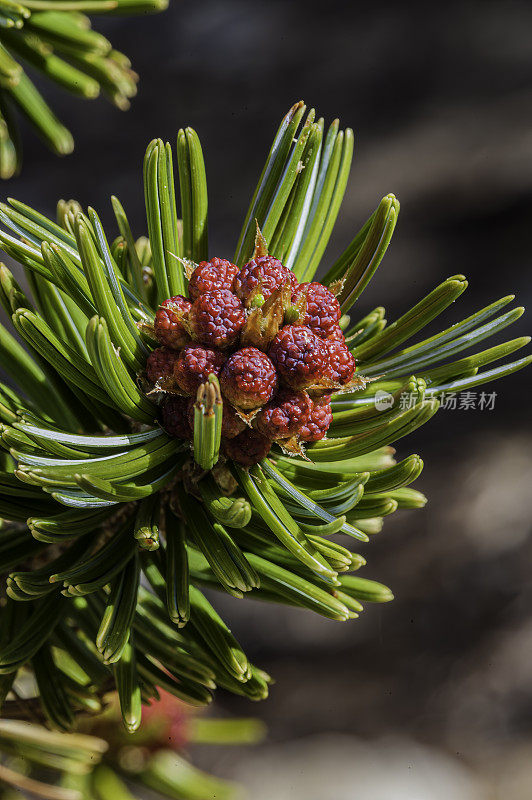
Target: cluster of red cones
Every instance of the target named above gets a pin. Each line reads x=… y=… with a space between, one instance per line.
x=275 y=346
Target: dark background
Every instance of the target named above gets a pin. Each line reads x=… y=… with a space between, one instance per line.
x=430 y=696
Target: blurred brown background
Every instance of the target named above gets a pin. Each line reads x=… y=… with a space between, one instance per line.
x=429 y=697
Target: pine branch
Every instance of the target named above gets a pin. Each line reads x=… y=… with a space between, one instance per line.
x=67 y=766
x=55 y=38
x=113 y=523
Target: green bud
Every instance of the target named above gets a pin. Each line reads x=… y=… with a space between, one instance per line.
x=258 y=301
x=291 y=315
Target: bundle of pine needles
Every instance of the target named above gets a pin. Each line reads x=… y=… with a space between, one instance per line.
x=112 y=531
x=55 y=38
